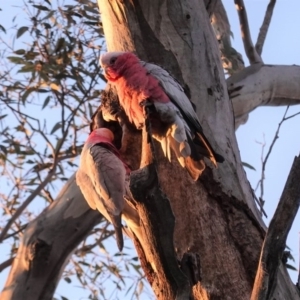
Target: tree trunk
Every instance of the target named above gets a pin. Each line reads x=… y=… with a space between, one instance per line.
x=215 y=218
x=218 y=229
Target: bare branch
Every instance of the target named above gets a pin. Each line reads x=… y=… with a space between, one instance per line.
x=265 y=26
x=275 y=240
x=263 y=85
x=260 y=204
x=250 y=50
x=265 y=160
x=292 y=116
x=6 y=263
x=15 y=232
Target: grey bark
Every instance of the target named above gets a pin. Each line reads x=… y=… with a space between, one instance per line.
x=216 y=217
x=257 y=85
x=263 y=85
x=155 y=35
x=275 y=240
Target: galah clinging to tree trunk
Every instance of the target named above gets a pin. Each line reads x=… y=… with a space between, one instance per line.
x=174 y=122
x=101 y=178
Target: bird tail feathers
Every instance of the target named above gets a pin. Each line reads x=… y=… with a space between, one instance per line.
x=194 y=168
x=165 y=144
x=210 y=154
x=117 y=223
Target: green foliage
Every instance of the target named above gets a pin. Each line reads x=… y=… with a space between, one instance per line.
x=49 y=88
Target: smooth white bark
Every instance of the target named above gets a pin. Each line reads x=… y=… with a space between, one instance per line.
x=263 y=85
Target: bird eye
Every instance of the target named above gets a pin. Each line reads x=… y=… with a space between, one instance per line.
x=112 y=60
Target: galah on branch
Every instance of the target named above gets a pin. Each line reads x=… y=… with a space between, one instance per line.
x=174 y=122
x=101 y=178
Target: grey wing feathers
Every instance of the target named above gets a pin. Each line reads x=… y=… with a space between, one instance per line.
x=175 y=91
x=109 y=175
x=84 y=182
x=109 y=182
x=95 y=202
x=101 y=178
x=89 y=193
x=77 y=206
x=177 y=95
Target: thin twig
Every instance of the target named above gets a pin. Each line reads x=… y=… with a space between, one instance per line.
x=15 y=232
x=250 y=50
x=265 y=26
x=263 y=145
x=260 y=204
x=26 y=203
x=6 y=264
x=264 y=163
x=104 y=235
x=292 y=116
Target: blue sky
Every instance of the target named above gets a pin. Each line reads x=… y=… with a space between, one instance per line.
x=282 y=47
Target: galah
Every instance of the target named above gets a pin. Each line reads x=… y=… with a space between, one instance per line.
x=101 y=178
x=174 y=123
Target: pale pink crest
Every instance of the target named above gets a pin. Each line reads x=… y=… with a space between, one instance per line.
x=101 y=135
x=105 y=58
